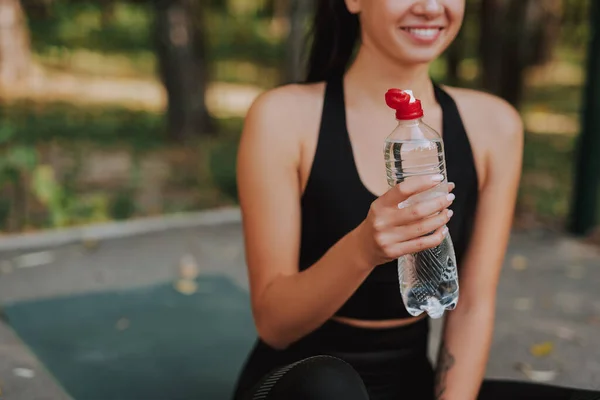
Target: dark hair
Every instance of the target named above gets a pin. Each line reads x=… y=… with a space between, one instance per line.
x=334 y=36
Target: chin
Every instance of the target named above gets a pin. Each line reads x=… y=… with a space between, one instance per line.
x=417 y=57
x=421 y=53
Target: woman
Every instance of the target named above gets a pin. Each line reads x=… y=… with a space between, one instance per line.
x=323 y=230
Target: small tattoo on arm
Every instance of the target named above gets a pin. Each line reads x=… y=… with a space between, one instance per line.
x=445 y=362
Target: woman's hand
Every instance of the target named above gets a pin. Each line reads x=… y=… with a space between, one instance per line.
x=390 y=232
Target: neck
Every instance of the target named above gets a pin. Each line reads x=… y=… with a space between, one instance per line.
x=372 y=74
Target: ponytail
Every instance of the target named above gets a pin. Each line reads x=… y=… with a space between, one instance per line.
x=334 y=36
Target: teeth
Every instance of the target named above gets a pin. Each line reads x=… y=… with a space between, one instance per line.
x=424 y=33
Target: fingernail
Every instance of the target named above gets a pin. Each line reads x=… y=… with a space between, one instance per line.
x=437 y=178
x=451 y=197
x=445 y=231
x=450 y=213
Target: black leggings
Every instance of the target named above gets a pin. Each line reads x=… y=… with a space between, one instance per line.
x=338 y=361
x=316 y=378
x=379 y=364
x=329 y=378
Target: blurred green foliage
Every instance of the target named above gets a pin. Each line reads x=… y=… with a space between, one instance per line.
x=245 y=45
x=223 y=167
x=123 y=206
x=244 y=39
x=561 y=99
x=79 y=25
x=36 y=123
x=15 y=158
x=16 y=161
x=548 y=167
x=64 y=207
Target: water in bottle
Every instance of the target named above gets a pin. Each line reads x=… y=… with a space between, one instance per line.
x=428 y=279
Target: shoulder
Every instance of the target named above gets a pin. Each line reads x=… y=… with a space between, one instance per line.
x=489 y=119
x=286 y=104
x=495 y=130
x=278 y=120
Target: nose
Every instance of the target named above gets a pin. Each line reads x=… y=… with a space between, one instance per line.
x=428 y=8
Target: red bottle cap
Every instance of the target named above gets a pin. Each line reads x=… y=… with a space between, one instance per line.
x=399 y=100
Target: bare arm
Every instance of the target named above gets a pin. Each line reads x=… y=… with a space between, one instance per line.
x=468 y=329
x=288 y=304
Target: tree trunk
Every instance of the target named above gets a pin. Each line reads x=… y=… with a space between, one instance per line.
x=183 y=66
x=298 y=12
x=505 y=54
x=546 y=16
x=202 y=64
x=280 y=23
x=454 y=56
x=108 y=12
x=459 y=47
x=586 y=191
x=490 y=42
x=514 y=51
x=15 y=47
x=40 y=9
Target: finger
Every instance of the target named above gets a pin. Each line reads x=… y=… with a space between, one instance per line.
x=451 y=186
x=419 y=244
x=423 y=227
x=394 y=217
x=408 y=188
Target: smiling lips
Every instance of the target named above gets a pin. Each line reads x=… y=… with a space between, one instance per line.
x=423 y=35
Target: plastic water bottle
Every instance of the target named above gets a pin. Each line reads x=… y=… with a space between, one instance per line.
x=428 y=279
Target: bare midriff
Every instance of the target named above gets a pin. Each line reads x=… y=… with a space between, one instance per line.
x=381 y=324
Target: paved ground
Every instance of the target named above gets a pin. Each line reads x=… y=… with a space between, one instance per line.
x=21 y=375
x=548 y=297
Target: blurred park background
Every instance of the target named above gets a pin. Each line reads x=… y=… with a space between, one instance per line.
x=121 y=110
x=115 y=109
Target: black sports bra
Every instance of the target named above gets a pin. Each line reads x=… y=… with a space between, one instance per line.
x=328 y=215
